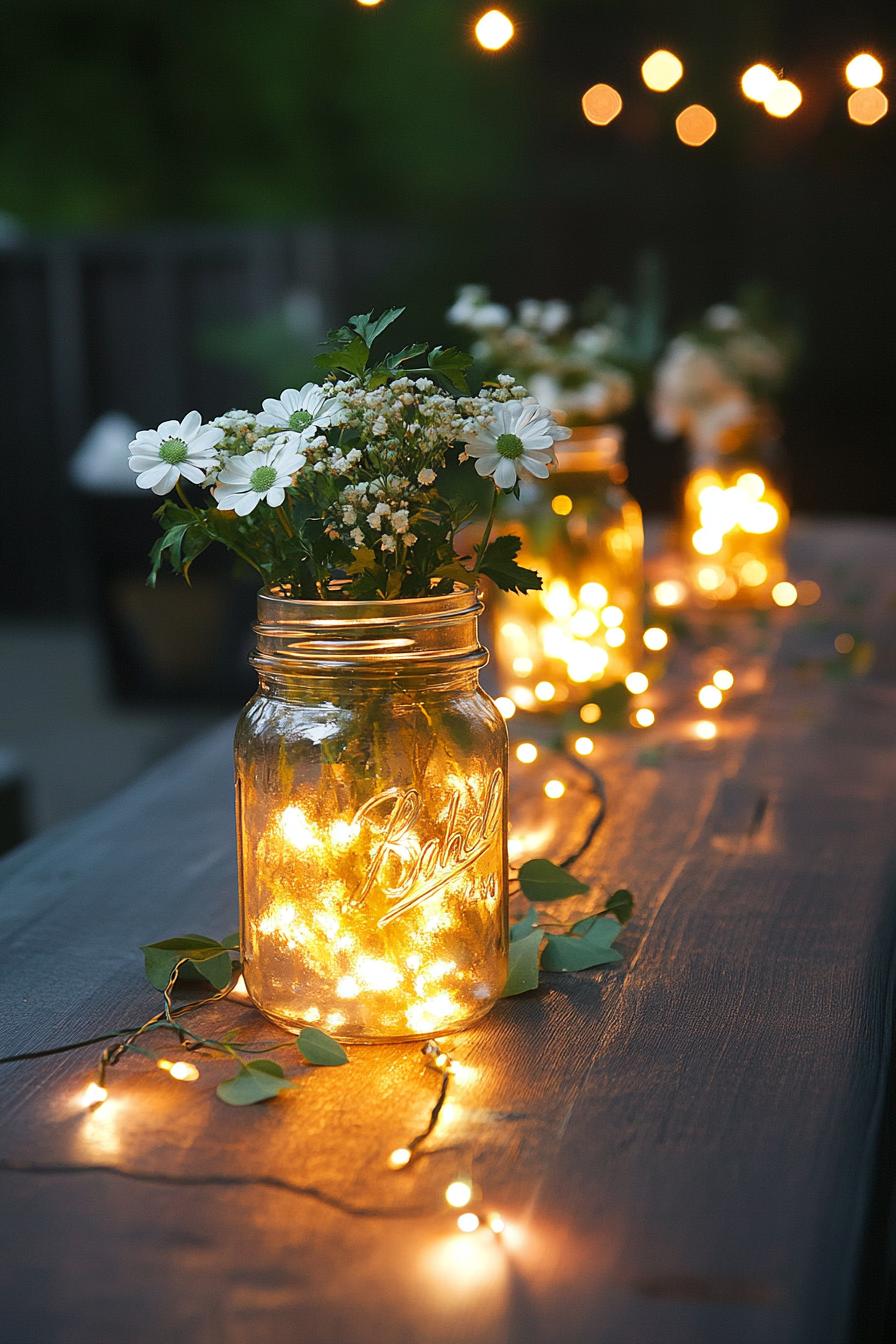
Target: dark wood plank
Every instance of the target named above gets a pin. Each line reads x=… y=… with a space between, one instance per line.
x=684 y=1147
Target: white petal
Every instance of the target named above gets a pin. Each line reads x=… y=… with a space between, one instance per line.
x=478 y=449
x=169 y=429
x=486 y=465
x=189 y=425
x=168 y=482
x=246 y=503
x=291 y=400
x=191 y=472
x=505 y=473
x=147 y=437
x=534 y=466
x=203 y=442
x=149 y=478
x=275 y=496
x=143 y=461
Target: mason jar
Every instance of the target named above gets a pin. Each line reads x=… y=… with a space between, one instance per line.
x=371 y=810
x=584 y=535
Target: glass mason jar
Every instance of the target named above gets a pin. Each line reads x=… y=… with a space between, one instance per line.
x=372 y=818
x=734 y=526
x=583 y=628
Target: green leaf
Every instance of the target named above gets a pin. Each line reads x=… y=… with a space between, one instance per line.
x=319 y=1048
x=522 y=965
x=499 y=564
x=600 y=930
x=621 y=904
x=256 y=1081
x=564 y=953
x=450 y=365
x=369 y=327
x=232 y=941
x=348 y=352
x=206 y=956
x=523 y=927
x=542 y=881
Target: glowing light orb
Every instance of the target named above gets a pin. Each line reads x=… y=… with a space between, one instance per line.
x=93 y=1094
x=669 y=593
x=844 y=643
x=637 y=683
x=184 y=1072
x=807 y=592
x=468 y=1222
x=601 y=104
x=554 y=788
x=615 y=637
x=784 y=594
x=493 y=30
x=705 y=730
x=459 y=1194
x=643 y=717
x=505 y=706
x=864 y=71
x=758 y=82
x=710 y=697
x=590 y=713
x=399 y=1157
x=784 y=99
x=527 y=752
x=695 y=125
x=584 y=746
x=545 y=691
x=655 y=638
x=661 y=71
x=562 y=505
x=723 y=679
x=866 y=106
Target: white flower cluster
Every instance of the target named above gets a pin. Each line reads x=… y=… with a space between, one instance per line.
x=576 y=370
x=711 y=383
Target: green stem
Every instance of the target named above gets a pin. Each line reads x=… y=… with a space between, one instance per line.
x=480 y=549
x=284 y=519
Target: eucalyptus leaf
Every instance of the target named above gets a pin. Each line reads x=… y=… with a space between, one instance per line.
x=207 y=958
x=523 y=927
x=522 y=965
x=568 y=952
x=543 y=881
x=256 y=1081
x=621 y=904
x=319 y=1048
x=232 y=941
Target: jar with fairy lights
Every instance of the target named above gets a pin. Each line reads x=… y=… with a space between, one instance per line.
x=583 y=533
x=735 y=517
x=371 y=818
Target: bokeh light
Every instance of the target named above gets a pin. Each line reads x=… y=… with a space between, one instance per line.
x=669 y=593
x=554 y=788
x=784 y=99
x=758 y=82
x=601 y=104
x=637 y=683
x=808 y=592
x=866 y=106
x=723 y=679
x=590 y=713
x=562 y=505
x=655 y=638
x=705 y=730
x=584 y=746
x=710 y=697
x=459 y=1193
x=661 y=71
x=864 y=71
x=643 y=717
x=493 y=30
x=505 y=707
x=784 y=594
x=695 y=125
x=844 y=643
x=526 y=753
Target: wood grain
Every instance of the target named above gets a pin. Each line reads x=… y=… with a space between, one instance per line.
x=685 y=1147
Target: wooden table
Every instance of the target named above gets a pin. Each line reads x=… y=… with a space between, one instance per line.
x=688 y=1148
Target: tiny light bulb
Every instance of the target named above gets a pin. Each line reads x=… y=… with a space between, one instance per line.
x=468 y=1222
x=637 y=683
x=527 y=752
x=758 y=82
x=496 y=1223
x=94 y=1093
x=784 y=594
x=584 y=746
x=562 y=505
x=643 y=718
x=655 y=638
x=864 y=71
x=661 y=71
x=458 y=1194
x=184 y=1072
x=164 y=1065
x=493 y=30
x=399 y=1157
x=590 y=713
x=505 y=707
x=710 y=697
x=545 y=691
x=442 y=1060
x=723 y=679
x=555 y=788
x=705 y=729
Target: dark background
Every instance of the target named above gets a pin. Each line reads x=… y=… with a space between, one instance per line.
x=170 y=172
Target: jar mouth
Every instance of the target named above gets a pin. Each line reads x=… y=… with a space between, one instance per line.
x=412 y=634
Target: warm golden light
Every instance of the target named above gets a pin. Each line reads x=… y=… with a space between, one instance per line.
x=723 y=679
x=753 y=573
x=399 y=1157
x=710 y=697
x=758 y=82
x=496 y=1223
x=643 y=717
x=808 y=592
x=637 y=683
x=844 y=643
x=493 y=30
x=545 y=691
x=468 y=1222
x=615 y=638
x=184 y=1072
x=601 y=104
x=728 y=515
x=655 y=638
x=661 y=71
x=522 y=666
x=370 y=4
x=584 y=746
x=866 y=106
x=505 y=707
x=695 y=125
x=669 y=593
x=593 y=595
x=864 y=71
x=784 y=99
x=459 y=1194
x=93 y=1094
x=562 y=505
x=589 y=713
x=612 y=616
x=784 y=594
x=527 y=752
x=555 y=788
x=705 y=729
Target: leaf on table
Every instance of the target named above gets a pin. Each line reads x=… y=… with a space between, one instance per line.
x=620 y=904
x=522 y=965
x=319 y=1048
x=232 y=941
x=579 y=952
x=542 y=881
x=523 y=927
x=256 y=1081
x=207 y=959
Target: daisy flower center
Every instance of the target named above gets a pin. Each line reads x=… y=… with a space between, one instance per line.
x=510 y=445
x=173 y=451
x=300 y=420
x=262 y=479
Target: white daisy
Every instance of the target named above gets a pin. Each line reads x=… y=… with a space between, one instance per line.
x=519 y=441
x=301 y=412
x=261 y=474
x=177 y=448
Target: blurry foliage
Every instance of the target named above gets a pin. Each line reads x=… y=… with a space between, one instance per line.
x=123 y=112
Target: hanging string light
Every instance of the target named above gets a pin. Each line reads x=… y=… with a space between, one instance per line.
x=695 y=125
x=783 y=99
x=493 y=30
x=864 y=71
x=866 y=106
x=758 y=82
x=661 y=71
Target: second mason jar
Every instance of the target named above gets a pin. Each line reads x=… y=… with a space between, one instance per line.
x=582 y=630
x=372 y=818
